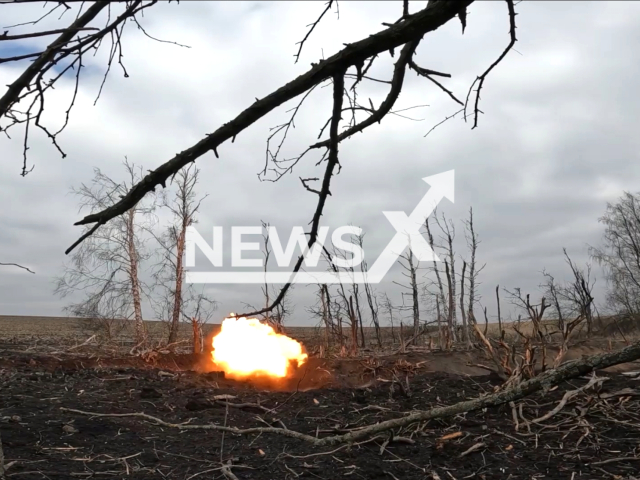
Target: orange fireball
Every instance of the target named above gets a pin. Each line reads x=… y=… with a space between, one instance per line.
x=246 y=347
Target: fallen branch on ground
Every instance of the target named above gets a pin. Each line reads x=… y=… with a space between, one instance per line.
x=186 y=426
x=568 y=396
x=547 y=379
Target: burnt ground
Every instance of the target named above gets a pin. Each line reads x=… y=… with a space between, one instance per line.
x=596 y=435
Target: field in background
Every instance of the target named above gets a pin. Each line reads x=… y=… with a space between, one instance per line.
x=67 y=330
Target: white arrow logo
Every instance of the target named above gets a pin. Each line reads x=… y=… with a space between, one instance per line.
x=407 y=227
x=407 y=235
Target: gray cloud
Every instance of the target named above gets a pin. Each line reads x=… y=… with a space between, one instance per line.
x=556 y=142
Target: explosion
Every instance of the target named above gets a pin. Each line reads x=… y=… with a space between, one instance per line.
x=246 y=347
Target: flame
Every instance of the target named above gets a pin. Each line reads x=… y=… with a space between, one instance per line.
x=246 y=347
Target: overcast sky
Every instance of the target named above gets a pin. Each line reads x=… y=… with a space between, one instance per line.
x=557 y=140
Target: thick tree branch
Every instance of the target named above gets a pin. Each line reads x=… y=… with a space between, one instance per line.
x=23 y=81
x=411 y=29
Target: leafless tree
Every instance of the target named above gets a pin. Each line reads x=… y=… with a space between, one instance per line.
x=106 y=269
x=448 y=236
x=573 y=298
x=328 y=312
x=451 y=306
x=465 y=329
x=388 y=306
x=345 y=299
x=536 y=314
x=369 y=291
x=325 y=313
x=499 y=314
x=440 y=297
x=564 y=313
x=580 y=291
x=410 y=265
x=197 y=309
x=357 y=312
x=474 y=270
x=619 y=254
x=266 y=250
x=183 y=204
x=320 y=310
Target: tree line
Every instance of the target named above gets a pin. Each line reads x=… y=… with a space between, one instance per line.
x=137 y=257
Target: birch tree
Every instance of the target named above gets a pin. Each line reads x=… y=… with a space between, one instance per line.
x=105 y=271
x=183 y=204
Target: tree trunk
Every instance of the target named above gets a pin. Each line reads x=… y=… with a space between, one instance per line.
x=415 y=299
x=499 y=317
x=451 y=309
x=439 y=300
x=471 y=318
x=177 y=300
x=465 y=331
x=354 y=326
x=359 y=312
x=439 y=320
x=374 y=313
x=197 y=336
x=325 y=316
x=133 y=277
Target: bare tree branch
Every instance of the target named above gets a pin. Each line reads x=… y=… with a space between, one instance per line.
x=32 y=82
x=16 y=265
x=480 y=80
x=312 y=25
x=412 y=28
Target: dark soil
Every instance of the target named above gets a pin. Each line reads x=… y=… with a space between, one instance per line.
x=593 y=437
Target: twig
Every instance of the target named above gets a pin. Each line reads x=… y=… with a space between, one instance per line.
x=473 y=448
x=186 y=426
x=226 y=471
x=613 y=460
x=226 y=415
x=480 y=80
x=312 y=25
x=16 y=265
x=568 y=396
x=6 y=36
